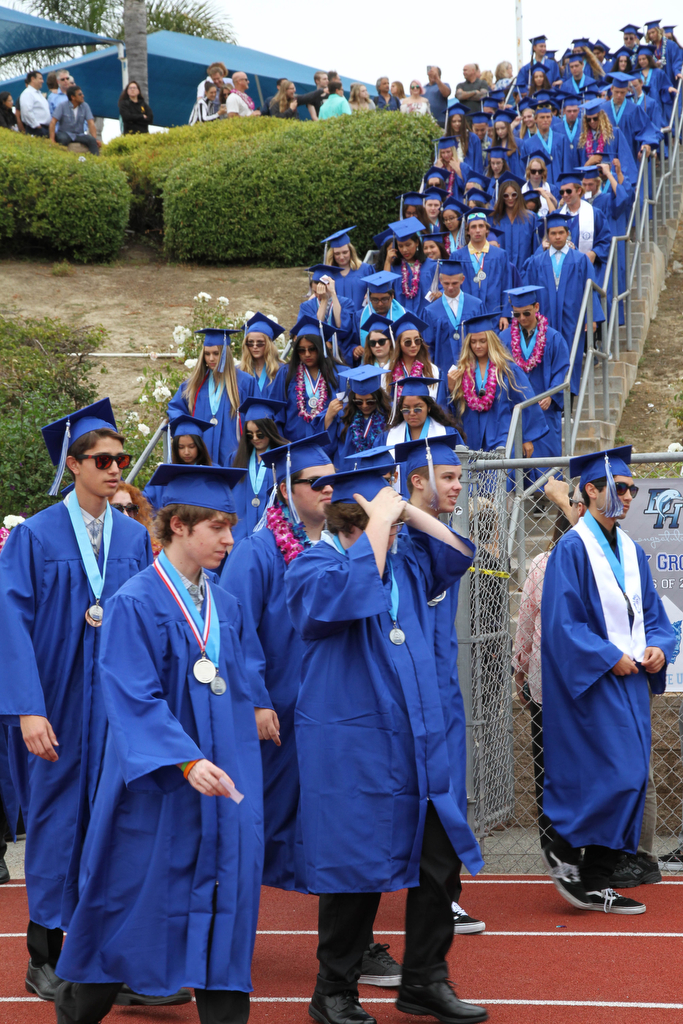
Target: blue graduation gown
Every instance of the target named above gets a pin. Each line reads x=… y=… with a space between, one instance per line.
x=560 y=157
x=525 y=71
x=243 y=494
x=8 y=793
x=222 y=439
x=344 y=331
x=486 y=431
x=572 y=135
x=550 y=372
x=562 y=304
x=352 y=286
x=419 y=302
x=520 y=238
x=164 y=866
x=632 y=121
x=596 y=726
x=345 y=445
x=490 y=291
x=602 y=240
x=618 y=146
x=474 y=157
x=290 y=424
x=49 y=667
x=658 y=101
x=674 y=61
x=369 y=720
x=444 y=348
x=359 y=317
x=255 y=574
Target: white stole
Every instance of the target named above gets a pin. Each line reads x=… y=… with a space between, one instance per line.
x=629 y=640
x=586 y=225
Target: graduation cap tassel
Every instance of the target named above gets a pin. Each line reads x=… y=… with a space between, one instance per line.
x=54 y=489
x=613 y=506
x=224 y=354
x=290 y=497
x=394 y=404
x=433 y=499
x=335 y=346
x=271 y=501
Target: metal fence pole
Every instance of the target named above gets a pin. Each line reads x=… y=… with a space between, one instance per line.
x=646 y=204
x=151 y=445
x=590 y=349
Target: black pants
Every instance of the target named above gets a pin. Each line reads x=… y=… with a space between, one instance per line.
x=44 y=944
x=42 y=131
x=88 y=1004
x=4 y=830
x=597 y=866
x=345 y=920
x=545 y=827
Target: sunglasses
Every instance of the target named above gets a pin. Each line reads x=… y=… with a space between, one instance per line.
x=310 y=480
x=412 y=342
x=623 y=488
x=416 y=411
x=591 y=117
x=307 y=351
x=415 y=87
x=258 y=435
x=130 y=509
x=105 y=460
x=376 y=342
x=566 y=191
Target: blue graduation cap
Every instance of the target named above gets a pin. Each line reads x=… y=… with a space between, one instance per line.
x=435 y=236
x=453 y=266
x=558 y=220
x=525 y=295
x=339 y=238
x=524 y=104
x=653 y=24
x=597 y=464
x=498 y=152
x=435 y=193
x=509 y=176
x=599 y=45
x=406 y=227
x=377 y=322
x=199 y=486
x=219 y=336
x=458 y=108
x=570 y=98
x=669 y=28
x=372 y=458
x=475 y=195
x=61 y=434
x=293 y=457
x=414 y=387
x=264 y=325
x=540 y=66
x=478 y=197
x=505 y=115
x=186 y=424
x=583 y=41
x=481 y=179
x=367 y=482
x=496 y=233
x=538 y=154
x=481 y=322
x=619 y=77
x=412 y=198
x=480 y=117
x=488 y=103
x=550 y=53
x=631 y=30
x=594 y=105
x=416 y=454
x=408 y=322
x=569 y=177
x=320 y=270
x=256 y=408
x=363 y=380
x=497 y=94
x=589 y=172
x=646 y=48
x=543 y=99
x=538 y=39
x=447 y=142
x=382 y=237
x=382 y=281
x=455 y=204
x=310 y=325
x=436 y=172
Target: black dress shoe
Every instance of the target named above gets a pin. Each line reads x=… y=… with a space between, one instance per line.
x=438 y=1000
x=4 y=871
x=42 y=981
x=341 y=1008
x=127 y=997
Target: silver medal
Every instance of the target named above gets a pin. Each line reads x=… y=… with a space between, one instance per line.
x=218 y=686
x=397 y=636
x=256 y=502
x=479 y=277
x=204 y=670
x=313 y=403
x=213 y=421
x=436 y=600
x=94 y=615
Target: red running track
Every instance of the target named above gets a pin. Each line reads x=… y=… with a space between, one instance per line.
x=537 y=956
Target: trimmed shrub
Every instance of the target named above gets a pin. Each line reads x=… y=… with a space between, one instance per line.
x=270 y=197
x=51 y=198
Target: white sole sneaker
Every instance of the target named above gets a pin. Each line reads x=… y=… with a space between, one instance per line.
x=469 y=928
x=392 y=981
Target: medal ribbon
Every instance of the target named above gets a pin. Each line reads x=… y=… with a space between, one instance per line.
x=526 y=346
x=549 y=144
x=474 y=259
x=616 y=566
x=215 y=395
x=205 y=631
x=311 y=388
x=256 y=475
x=479 y=379
x=455 y=320
x=622 y=108
x=92 y=570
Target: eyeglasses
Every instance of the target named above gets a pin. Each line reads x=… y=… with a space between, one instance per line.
x=131 y=510
x=307 y=351
x=566 y=191
x=310 y=480
x=576 y=501
x=415 y=411
x=623 y=488
x=258 y=435
x=105 y=460
x=376 y=342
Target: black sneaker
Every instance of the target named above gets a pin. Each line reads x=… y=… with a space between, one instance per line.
x=566 y=879
x=463 y=924
x=379 y=968
x=127 y=997
x=635 y=869
x=672 y=861
x=4 y=872
x=612 y=903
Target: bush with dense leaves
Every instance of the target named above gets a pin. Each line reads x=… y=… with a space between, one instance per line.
x=52 y=199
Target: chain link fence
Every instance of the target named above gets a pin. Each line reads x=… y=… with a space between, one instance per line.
x=513 y=529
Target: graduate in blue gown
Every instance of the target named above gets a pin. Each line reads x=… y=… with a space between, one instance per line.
x=188 y=448
x=308 y=383
x=571 y=122
x=445 y=315
x=538 y=56
x=648 y=100
x=486 y=385
x=341 y=253
x=519 y=225
x=214 y=392
x=467 y=144
x=403 y=255
x=626 y=115
x=609 y=191
x=250 y=494
x=488 y=271
x=255 y=574
x=329 y=307
x=380 y=298
x=411 y=358
x=589 y=229
x=377 y=798
x=260 y=357
x=550 y=139
x=605 y=643
x=503 y=136
x=598 y=143
x=657 y=86
x=171 y=871
x=363 y=420
x=64 y=562
x=563 y=272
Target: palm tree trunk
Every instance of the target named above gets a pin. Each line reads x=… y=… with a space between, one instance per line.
x=135 y=28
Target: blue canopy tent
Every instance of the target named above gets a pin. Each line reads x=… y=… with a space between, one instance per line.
x=176 y=65
x=21 y=33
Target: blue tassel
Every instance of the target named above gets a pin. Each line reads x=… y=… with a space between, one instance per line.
x=271 y=501
x=54 y=489
x=290 y=497
x=613 y=506
x=224 y=355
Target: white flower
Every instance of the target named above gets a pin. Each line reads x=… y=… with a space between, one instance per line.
x=139 y=379
x=223 y=301
x=650 y=405
x=273 y=318
x=143 y=428
x=181 y=334
x=161 y=392
x=202 y=297
x=132 y=415
x=675 y=447
x=10 y=521
x=180 y=352
x=249 y=313
x=143 y=398
x=191 y=363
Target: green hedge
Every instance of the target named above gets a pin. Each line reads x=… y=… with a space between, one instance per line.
x=77 y=208
x=269 y=198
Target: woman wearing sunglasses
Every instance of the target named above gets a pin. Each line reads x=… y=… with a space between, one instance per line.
x=537 y=181
x=417 y=415
x=416 y=103
x=132 y=503
x=260 y=356
x=308 y=383
x=260 y=434
x=362 y=423
x=518 y=224
x=411 y=357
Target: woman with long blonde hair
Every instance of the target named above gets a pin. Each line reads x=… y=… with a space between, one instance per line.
x=260 y=357
x=214 y=392
x=486 y=384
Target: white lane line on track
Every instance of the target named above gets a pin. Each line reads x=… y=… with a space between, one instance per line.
x=485 y=1002
x=557 y=931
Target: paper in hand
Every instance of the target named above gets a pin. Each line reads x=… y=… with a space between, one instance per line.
x=231 y=791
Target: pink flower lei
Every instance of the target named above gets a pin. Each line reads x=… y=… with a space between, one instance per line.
x=539 y=348
x=301 y=399
x=285 y=533
x=469 y=389
x=411 y=289
x=399 y=372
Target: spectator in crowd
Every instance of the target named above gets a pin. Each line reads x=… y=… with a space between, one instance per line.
x=284 y=103
x=416 y=103
x=473 y=90
x=487 y=76
x=69 y=122
x=321 y=93
x=437 y=93
x=136 y=113
x=384 y=99
x=359 y=98
x=34 y=110
x=239 y=104
x=336 y=103
x=7 y=116
x=216 y=73
x=398 y=92
x=132 y=503
x=63 y=81
x=504 y=75
x=208 y=106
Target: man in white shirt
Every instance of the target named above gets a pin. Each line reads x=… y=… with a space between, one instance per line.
x=216 y=73
x=238 y=103
x=35 y=111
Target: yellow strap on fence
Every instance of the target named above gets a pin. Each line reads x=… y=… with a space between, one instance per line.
x=490 y=572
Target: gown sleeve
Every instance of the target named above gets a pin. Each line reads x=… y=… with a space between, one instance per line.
x=21 y=567
x=440 y=564
x=246 y=578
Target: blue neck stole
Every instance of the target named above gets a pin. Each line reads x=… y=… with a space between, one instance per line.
x=92 y=570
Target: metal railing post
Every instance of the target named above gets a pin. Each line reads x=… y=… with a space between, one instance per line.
x=590 y=346
x=646 y=204
x=149 y=448
x=652 y=164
